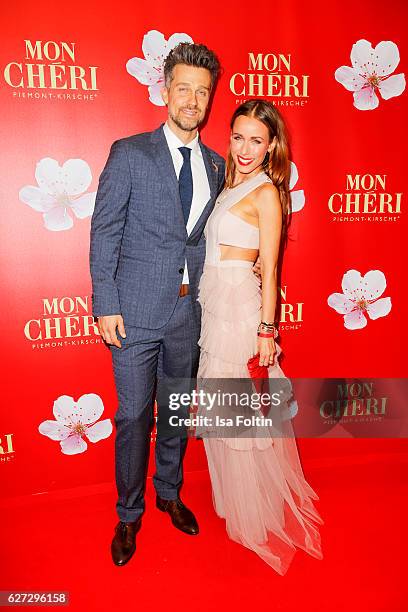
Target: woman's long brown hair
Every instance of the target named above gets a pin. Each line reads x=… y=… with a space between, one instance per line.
x=277 y=164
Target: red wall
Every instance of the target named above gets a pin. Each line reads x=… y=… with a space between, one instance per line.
x=330 y=139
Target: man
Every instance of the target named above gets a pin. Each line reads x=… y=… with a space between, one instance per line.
x=147 y=252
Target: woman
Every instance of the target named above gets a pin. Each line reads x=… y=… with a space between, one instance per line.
x=257 y=479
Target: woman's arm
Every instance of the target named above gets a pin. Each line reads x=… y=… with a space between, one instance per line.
x=269 y=211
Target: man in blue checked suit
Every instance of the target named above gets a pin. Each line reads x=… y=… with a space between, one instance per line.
x=147 y=253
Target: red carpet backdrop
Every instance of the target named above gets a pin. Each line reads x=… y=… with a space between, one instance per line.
x=76 y=77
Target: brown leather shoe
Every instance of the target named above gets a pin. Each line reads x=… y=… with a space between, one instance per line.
x=180 y=515
x=124 y=542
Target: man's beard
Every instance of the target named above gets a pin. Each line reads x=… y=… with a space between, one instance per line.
x=183 y=125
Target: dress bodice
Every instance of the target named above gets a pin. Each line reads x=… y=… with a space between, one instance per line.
x=227 y=228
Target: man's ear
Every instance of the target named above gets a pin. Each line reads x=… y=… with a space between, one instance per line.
x=165 y=95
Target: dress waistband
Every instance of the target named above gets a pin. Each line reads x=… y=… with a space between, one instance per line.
x=231 y=263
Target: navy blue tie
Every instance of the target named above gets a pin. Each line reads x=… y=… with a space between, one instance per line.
x=186 y=182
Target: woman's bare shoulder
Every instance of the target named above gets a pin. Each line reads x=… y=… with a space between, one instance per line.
x=266 y=194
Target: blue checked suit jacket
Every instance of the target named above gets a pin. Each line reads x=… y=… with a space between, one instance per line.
x=138 y=236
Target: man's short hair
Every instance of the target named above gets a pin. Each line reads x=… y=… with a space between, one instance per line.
x=191 y=54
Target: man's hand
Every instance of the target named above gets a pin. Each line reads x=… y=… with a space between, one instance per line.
x=257 y=268
x=107 y=327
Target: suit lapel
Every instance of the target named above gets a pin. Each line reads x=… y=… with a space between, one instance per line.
x=164 y=162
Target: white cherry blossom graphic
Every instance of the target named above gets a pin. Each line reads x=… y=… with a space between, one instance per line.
x=370 y=73
x=298 y=196
x=61 y=190
x=361 y=297
x=149 y=71
x=74 y=420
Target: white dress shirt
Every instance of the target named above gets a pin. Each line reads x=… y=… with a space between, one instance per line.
x=201 y=188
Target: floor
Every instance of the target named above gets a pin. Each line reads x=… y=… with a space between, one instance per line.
x=62 y=542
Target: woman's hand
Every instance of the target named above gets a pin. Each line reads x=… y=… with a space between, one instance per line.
x=256 y=269
x=267 y=350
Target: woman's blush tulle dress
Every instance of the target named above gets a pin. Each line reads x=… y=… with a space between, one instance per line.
x=257 y=481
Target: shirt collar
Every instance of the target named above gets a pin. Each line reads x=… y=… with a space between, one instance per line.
x=174 y=141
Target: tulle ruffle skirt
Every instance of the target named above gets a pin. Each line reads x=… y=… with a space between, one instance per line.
x=257 y=480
